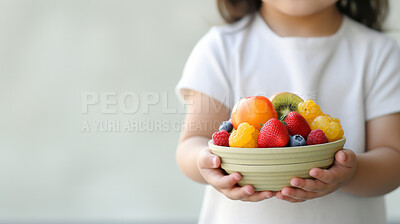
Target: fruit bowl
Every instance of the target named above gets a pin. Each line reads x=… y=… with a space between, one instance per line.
x=273 y=168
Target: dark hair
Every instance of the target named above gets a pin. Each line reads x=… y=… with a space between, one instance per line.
x=371 y=13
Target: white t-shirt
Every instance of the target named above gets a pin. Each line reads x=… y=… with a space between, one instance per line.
x=353 y=75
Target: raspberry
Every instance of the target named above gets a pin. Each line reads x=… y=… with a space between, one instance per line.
x=329 y=125
x=244 y=137
x=221 y=138
x=309 y=110
x=316 y=136
x=226 y=125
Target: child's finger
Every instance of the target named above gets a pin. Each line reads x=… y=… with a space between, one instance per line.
x=238 y=193
x=345 y=157
x=325 y=176
x=279 y=195
x=308 y=185
x=219 y=180
x=259 y=196
x=299 y=193
x=207 y=160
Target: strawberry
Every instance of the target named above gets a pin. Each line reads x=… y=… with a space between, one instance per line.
x=297 y=125
x=273 y=134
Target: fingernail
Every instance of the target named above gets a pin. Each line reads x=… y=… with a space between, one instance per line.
x=248 y=191
x=214 y=161
x=285 y=192
x=294 y=183
x=343 y=156
x=237 y=177
x=314 y=173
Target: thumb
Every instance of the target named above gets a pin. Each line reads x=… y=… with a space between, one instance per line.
x=345 y=157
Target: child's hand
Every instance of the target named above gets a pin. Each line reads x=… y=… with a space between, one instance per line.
x=209 y=166
x=326 y=182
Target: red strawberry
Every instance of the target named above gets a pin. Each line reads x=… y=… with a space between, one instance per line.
x=316 y=136
x=297 y=125
x=221 y=138
x=273 y=134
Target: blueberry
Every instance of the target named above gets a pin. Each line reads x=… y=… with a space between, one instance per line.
x=226 y=125
x=297 y=140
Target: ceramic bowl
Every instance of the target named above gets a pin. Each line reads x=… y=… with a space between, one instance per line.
x=272 y=168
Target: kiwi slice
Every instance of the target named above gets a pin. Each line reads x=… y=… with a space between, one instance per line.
x=284 y=103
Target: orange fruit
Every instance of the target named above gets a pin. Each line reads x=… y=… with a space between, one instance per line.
x=255 y=110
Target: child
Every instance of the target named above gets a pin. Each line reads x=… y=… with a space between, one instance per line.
x=318 y=50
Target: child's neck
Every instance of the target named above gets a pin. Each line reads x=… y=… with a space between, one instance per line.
x=323 y=23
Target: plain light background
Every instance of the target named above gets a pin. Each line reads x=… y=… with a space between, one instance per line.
x=54 y=53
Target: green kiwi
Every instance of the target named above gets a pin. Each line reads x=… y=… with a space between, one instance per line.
x=284 y=103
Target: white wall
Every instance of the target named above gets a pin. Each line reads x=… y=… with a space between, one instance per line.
x=52 y=52
x=392 y=22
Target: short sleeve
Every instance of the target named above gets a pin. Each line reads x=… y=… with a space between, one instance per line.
x=383 y=95
x=205 y=70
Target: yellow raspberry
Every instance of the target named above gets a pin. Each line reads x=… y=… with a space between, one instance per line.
x=330 y=126
x=336 y=120
x=331 y=118
x=244 y=137
x=340 y=135
x=309 y=110
x=320 y=122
